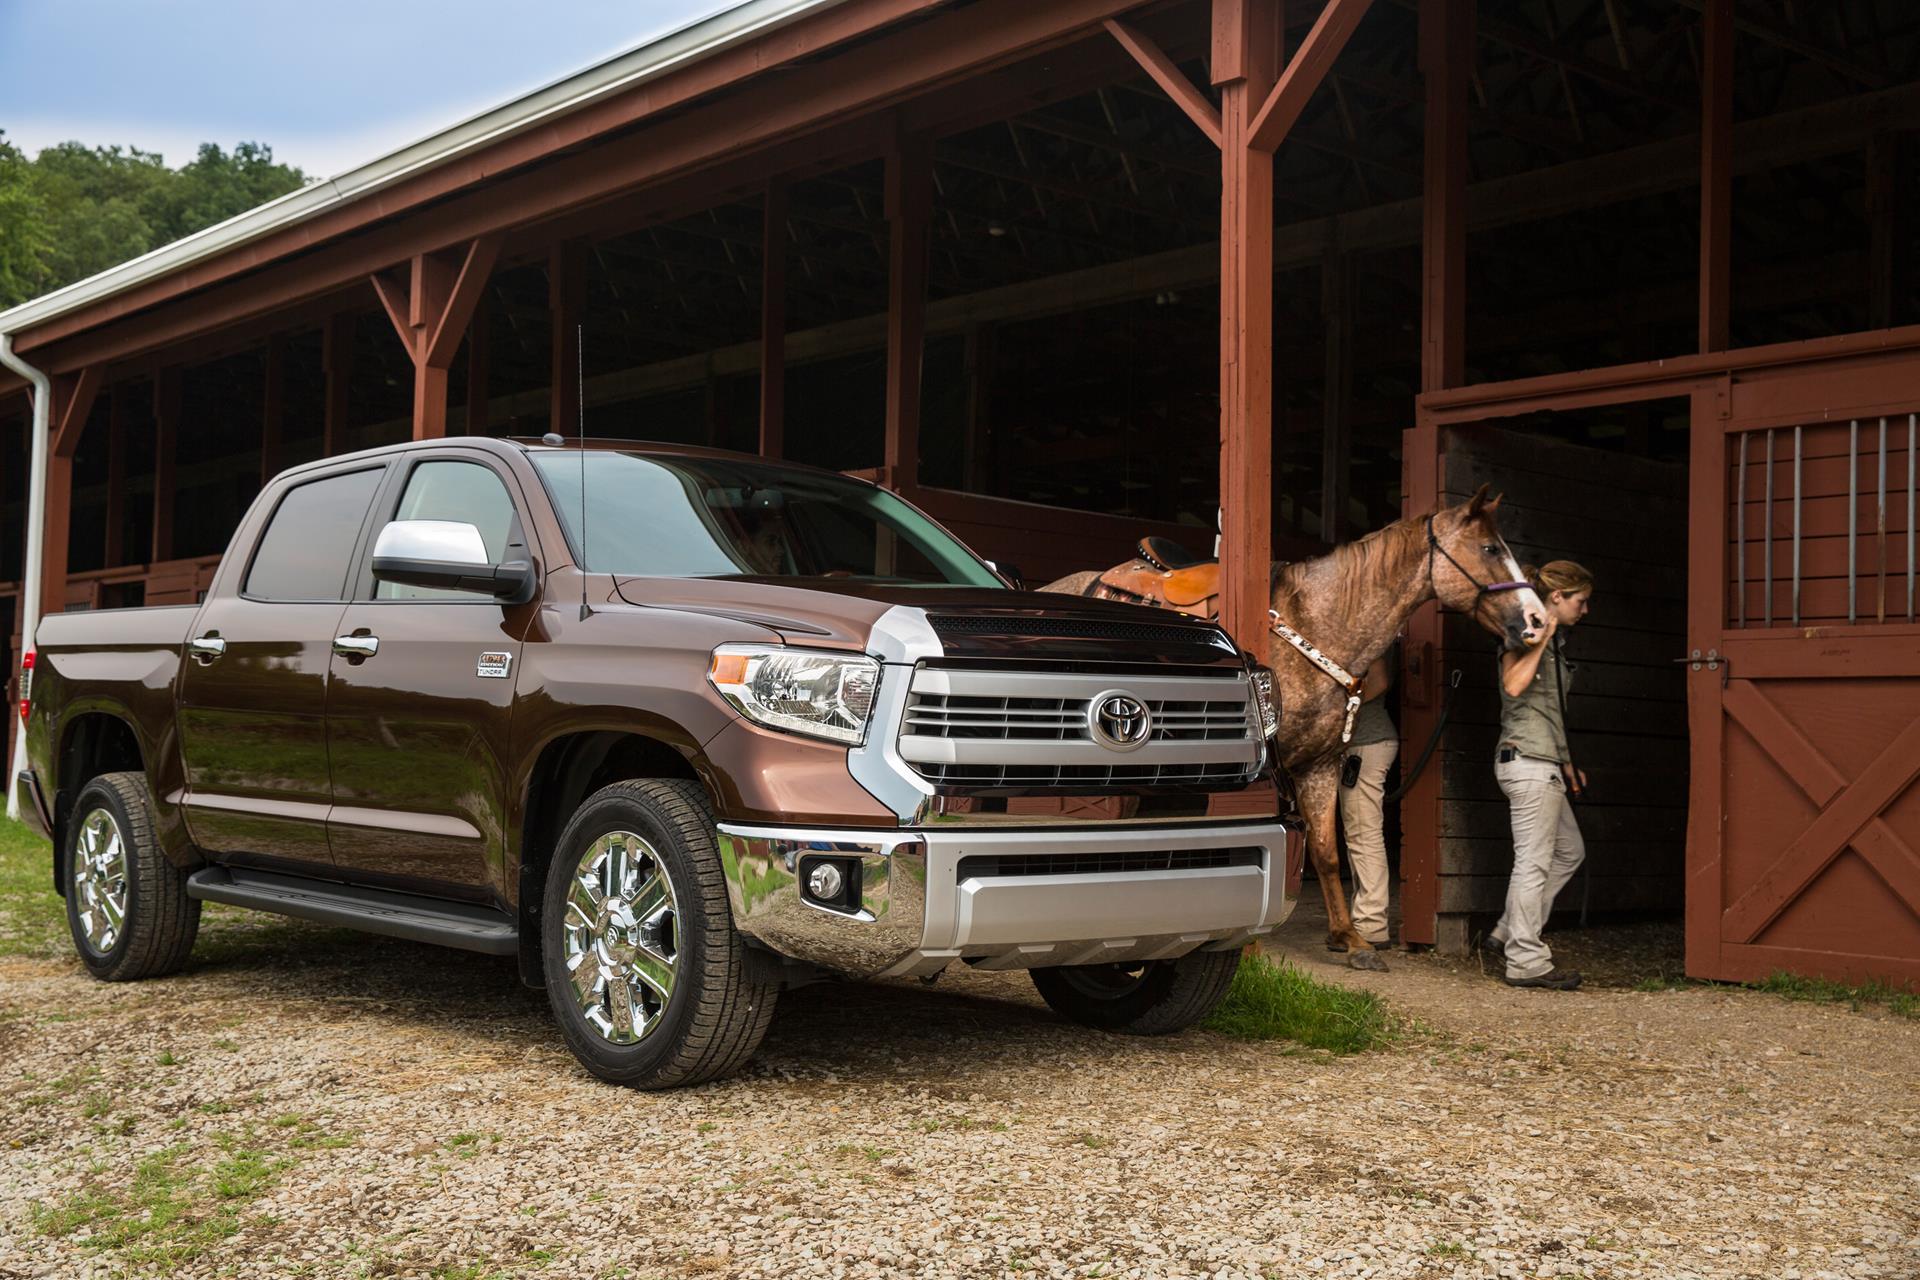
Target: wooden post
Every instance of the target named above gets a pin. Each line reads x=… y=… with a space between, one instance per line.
x=1246 y=60
x=273 y=409
x=73 y=398
x=336 y=359
x=773 y=320
x=116 y=532
x=1716 y=175
x=1336 y=423
x=1421 y=683
x=566 y=299
x=430 y=309
x=166 y=443
x=909 y=200
x=1446 y=60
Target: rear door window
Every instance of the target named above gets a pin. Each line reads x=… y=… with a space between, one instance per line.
x=307 y=549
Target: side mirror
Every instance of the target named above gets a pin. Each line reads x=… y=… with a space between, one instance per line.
x=449 y=555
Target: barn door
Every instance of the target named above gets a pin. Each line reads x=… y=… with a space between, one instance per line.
x=1804 y=683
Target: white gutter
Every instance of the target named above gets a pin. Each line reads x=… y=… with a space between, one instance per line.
x=36 y=531
x=649 y=60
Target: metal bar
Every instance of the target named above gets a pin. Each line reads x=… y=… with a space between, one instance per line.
x=1796 y=525
x=1880 y=523
x=1740 y=536
x=1853 y=514
x=1766 y=543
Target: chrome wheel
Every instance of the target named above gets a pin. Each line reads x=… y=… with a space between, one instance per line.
x=100 y=880
x=622 y=940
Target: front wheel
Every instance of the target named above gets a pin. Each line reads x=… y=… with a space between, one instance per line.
x=646 y=975
x=1142 y=998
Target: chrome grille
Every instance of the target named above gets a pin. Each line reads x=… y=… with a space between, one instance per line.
x=1030 y=729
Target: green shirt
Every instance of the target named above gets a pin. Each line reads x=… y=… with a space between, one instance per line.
x=1532 y=721
x=1372 y=724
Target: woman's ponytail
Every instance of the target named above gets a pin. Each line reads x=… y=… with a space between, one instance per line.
x=1558 y=575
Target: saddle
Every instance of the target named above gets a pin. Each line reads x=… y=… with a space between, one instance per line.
x=1166 y=574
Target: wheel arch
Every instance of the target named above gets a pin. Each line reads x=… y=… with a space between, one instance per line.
x=94 y=742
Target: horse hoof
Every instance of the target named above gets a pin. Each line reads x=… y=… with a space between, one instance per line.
x=1368 y=960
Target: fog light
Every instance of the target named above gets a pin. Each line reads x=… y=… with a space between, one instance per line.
x=825 y=882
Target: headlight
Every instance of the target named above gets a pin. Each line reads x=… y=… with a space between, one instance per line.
x=1263 y=694
x=823 y=695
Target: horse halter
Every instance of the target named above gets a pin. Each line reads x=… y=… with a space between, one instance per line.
x=1481 y=589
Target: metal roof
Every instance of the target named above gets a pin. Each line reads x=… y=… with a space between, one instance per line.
x=676 y=48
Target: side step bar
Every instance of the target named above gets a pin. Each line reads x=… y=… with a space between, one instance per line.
x=396 y=915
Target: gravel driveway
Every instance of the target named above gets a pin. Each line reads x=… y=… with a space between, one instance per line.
x=307 y=1102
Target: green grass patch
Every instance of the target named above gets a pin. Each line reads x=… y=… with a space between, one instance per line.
x=1901 y=1001
x=33 y=918
x=1271 y=1001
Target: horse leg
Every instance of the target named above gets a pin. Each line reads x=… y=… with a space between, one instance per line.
x=1318 y=791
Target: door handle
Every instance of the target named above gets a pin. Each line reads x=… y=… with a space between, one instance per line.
x=356 y=646
x=206 y=648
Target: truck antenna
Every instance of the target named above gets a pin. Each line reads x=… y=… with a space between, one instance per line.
x=580 y=403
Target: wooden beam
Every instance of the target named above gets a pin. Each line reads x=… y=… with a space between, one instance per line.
x=1336 y=421
x=1246 y=63
x=1422 y=655
x=116 y=530
x=166 y=445
x=73 y=397
x=1167 y=74
x=476 y=268
x=1446 y=60
x=56 y=530
x=1305 y=72
x=773 y=319
x=909 y=199
x=336 y=361
x=1716 y=176
x=566 y=299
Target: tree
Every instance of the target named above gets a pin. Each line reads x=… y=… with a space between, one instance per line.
x=75 y=210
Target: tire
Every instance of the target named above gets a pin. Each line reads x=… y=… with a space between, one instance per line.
x=1150 y=998
x=157 y=920
x=713 y=1014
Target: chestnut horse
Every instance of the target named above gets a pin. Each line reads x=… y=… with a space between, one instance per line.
x=1350 y=604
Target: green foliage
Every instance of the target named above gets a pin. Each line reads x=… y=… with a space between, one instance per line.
x=33 y=918
x=75 y=210
x=1271 y=1001
x=1901 y=1001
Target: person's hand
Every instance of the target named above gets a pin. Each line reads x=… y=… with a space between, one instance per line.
x=1576 y=778
x=1544 y=633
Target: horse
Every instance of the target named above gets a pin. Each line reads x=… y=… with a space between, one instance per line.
x=1349 y=605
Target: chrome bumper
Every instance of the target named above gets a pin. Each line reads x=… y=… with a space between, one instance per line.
x=919 y=910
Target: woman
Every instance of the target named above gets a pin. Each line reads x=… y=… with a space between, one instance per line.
x=1536 y=771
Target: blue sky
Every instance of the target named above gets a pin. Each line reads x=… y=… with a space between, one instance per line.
x=326 y=84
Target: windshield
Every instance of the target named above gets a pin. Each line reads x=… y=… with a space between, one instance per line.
x=680 y=517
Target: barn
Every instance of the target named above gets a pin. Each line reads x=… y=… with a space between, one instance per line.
x=1074 y=272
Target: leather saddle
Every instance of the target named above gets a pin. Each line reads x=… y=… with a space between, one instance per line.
x=1166 y=574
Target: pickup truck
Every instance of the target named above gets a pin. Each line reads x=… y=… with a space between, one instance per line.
x=679 y=729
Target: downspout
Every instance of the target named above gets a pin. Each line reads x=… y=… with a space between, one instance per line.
x=36 y=534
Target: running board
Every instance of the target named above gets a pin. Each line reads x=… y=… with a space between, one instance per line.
x=396 y=915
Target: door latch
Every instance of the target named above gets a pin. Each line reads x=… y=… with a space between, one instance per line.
x=1712 y=660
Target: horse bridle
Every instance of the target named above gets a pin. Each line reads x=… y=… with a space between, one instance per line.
x=1481 y=589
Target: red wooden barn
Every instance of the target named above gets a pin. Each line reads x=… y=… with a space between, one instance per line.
x=1073 y=271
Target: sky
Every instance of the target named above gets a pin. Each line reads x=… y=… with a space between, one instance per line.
x=327 y=85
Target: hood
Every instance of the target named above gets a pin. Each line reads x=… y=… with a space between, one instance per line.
x=971 y=622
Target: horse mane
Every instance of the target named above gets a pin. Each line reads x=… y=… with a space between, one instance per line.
x=1353 y=565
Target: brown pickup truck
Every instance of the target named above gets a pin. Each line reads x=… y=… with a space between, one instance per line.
x=679 y=729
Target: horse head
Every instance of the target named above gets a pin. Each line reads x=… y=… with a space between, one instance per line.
x=1475 y=573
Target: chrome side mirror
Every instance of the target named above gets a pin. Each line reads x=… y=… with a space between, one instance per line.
x=450 y=555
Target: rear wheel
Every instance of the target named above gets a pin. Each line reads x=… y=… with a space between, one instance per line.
x=645 y=973
x=1143 y=998
x=127 y=906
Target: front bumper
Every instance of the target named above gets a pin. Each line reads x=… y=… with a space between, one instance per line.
x=1003 y=899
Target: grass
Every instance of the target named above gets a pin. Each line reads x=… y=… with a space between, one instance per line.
x=1902 y=1002
x=1271 y=1001
x=33 y=918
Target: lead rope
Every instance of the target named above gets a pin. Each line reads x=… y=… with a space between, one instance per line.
x=1354 y=685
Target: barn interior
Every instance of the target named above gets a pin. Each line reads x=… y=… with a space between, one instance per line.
x=1070 y=368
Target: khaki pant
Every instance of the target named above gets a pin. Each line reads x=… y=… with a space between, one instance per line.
x=1547 y=850
x=1366 y=841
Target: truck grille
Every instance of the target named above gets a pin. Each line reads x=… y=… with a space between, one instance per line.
x=1034 y=729
x=1110 y=863
x=938 y=715
x=1077 y=629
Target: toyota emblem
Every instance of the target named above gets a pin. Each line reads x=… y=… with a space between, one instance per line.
x=1119 y=721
